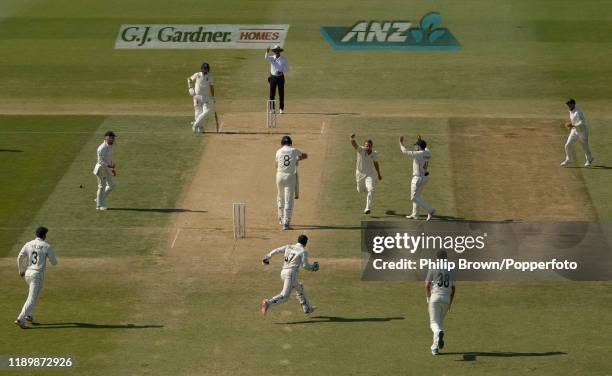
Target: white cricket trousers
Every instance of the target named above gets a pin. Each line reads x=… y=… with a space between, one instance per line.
x=285 y=186
x=106 y=183
x=366 y=183
x=437 y=312
x=202 y=110
x=290 y=282
x=418 y=182
x=34 y=279
x=573 y=137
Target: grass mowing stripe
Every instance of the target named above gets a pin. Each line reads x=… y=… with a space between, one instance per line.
x=33 y=165
x=151 y=174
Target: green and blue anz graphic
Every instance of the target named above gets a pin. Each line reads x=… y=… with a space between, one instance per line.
x=393 y=35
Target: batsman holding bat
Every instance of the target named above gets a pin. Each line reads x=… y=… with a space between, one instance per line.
x=202 y=89
x=295 y=256
x=578 y=132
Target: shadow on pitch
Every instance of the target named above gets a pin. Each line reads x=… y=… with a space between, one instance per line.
x=159 y=210
x=335 y=319
x=506 y=354
x=85 y=325
x=330 y=227
x=323 y=113
x=10 y=151
x=248 y=133
x=393 y=213
x=593 y=167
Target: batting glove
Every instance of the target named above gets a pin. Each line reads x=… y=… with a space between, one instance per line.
x=315 y=266
x=265 y=260
x=192 y=92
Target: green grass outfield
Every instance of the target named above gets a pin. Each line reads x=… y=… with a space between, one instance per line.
x=518 y=57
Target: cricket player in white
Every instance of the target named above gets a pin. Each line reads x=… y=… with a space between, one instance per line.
x=440 y=292
x=31 y=263
x=202 y=89
x=105 y=170
x=421 y=155
x=287 y=158
x=367 y=170
x=295 y=256
x=578 y=132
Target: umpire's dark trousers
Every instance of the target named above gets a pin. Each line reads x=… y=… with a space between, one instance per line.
x=277 y=81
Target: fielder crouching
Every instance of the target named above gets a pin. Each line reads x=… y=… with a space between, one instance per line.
x=296 y=256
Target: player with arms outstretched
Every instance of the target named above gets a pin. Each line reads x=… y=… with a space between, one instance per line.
x=420 y=176
x=295 y=257
x=367 y=170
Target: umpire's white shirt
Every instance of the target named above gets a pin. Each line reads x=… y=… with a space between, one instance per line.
x=277 y=64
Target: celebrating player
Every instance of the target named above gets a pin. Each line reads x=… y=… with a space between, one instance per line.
x=578 y=132
x=440 y=292
x=203 y=90
x=35 y=254
x=367 y=170
x=105 y=170
x=296 y=256
x=421 y=155
x=287 y=158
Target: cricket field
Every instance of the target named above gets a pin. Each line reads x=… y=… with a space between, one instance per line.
x=158 y=286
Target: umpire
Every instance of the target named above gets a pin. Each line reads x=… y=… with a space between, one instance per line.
x=278 y=67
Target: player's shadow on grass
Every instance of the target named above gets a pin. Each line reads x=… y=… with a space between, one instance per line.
x=85 y=325
x=336 y=319
x=327 y=227
x=506 y=354
x=10 y=151
x=159 y=210
x=593 y=167
x=323 y=113
x=393 y=213
x=247 y=133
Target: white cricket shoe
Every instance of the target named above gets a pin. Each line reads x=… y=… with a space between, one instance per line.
x=435 y=352
x=430 y=215
x=310 y=310
x=589 y=162
x=367 y=211
x=412 y=216
x=21 y=324
x=101 y=208
x=566 y=162
x=282 y=111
